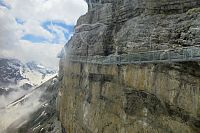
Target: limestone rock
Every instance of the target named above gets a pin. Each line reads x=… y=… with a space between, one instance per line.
x=125 y=26
x=160 y=98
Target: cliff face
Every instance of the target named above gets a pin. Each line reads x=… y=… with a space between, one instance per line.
x=132 y=98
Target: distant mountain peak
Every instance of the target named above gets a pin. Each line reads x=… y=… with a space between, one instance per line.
x=32 y=65
x=13 y=72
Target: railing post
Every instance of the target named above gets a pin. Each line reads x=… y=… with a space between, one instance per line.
x=110 y=60
x=198 y=52
x=191 y=53
x=130 y=58
x=153 y=56
x=119 y=59
x=186 y=54
x=169 y=55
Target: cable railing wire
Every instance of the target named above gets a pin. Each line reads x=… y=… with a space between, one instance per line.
x=159 y=56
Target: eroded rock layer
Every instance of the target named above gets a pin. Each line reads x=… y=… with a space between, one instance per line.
x=132 y=98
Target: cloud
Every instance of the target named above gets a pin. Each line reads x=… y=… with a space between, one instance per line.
x=37 y=29
x=16 y=115
x=67 y=11
x=34 y=28
x=9 y=30
x=40 y=52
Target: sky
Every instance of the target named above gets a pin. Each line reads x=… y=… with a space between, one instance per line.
x=37 y=30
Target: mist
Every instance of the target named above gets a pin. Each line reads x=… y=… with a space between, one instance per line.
x=15 y=114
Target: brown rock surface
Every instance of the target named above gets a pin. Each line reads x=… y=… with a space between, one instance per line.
x=162 y=98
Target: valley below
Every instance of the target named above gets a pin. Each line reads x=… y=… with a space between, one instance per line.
x=28 y=95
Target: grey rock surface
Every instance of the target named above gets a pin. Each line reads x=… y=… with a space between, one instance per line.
x=127 y=26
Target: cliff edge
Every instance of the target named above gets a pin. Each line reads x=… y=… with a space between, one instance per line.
x=148 y=97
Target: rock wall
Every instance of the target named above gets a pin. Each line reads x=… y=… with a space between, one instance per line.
x=132 y=98
x=171 y=6
x=126 y=26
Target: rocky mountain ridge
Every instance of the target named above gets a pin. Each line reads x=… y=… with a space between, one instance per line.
x=33 y=112
x=15 y=74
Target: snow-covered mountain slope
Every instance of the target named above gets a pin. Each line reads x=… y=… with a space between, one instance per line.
x=33 y=112
x=10 y=71
x=14 y=72
x=27 y=97
x=36 y=74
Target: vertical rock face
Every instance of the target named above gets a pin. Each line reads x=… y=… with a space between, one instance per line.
x=132 y=98
x=126 y=26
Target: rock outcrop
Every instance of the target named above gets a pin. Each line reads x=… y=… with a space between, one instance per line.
x=132 y=98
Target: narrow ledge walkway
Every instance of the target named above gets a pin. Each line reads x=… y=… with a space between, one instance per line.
x=160 y=56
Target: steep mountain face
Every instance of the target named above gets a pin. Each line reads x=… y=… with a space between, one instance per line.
x=40 y=68
x=18 y=79
x=14 y=74
x=10 y=71
x=33 y=112
x=151 y=97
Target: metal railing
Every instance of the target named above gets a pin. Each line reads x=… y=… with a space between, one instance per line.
x=171 y=55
